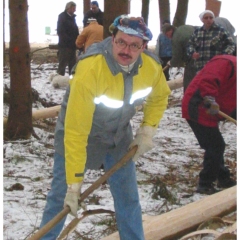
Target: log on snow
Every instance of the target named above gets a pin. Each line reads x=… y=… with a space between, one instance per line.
x=52 y=112
x=178 y=222
x=175 y=83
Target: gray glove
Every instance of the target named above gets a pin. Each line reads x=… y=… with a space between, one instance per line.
x=72 y=196
x=143 y=140
x=210 y=103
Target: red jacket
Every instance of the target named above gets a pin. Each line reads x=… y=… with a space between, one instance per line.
x=216 y=79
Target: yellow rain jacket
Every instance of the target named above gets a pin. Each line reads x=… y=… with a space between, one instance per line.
x=97 y=108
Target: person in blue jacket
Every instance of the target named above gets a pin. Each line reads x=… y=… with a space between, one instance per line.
x=164 y=46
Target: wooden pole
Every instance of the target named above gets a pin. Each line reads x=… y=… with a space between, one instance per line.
x=227 y=117
x=46 y=228
x=176 y=223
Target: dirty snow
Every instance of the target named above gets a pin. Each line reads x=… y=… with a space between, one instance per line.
x=173 y=164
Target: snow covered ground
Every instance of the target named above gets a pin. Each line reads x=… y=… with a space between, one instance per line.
x=167 y=175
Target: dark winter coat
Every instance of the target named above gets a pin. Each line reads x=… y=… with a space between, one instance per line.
x=91 y=14
x=67 y=30
x=216 y=79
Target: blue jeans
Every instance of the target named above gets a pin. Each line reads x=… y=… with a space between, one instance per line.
x=123 y=187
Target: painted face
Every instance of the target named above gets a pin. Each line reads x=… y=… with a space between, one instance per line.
x=207 y=20
x=126 y=48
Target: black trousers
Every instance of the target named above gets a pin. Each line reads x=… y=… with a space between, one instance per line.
x=211 y=140
x=66 y=58
x=164 y=64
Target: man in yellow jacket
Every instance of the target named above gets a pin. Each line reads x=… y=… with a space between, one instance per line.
x=92 y=33
x=110 y=80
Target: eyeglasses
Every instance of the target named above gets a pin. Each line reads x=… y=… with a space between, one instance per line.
x=210 y=17
x=133 y=46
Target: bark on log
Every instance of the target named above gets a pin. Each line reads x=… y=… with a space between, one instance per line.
x=53 y=111
x=176 y=223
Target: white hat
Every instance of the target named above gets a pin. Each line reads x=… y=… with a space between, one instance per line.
x=204 y=12
x=91 y=20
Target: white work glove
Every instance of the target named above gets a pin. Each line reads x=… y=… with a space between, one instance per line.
x=143 y=140
x=72 y=196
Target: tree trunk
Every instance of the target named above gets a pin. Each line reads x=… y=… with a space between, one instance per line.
x=114 y=8
x=19 y=123
x=86 y=6
x=4 y=56
x=181 y=13
x=164 y=11
x=145 y=10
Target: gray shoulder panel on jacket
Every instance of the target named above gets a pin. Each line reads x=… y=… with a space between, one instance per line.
x=152 y=55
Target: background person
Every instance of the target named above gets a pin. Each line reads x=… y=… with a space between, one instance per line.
x=164 y=46
x=180 y=37
x=92 y=33
x=208 y=41
x=94 y=12
x=93 y=128
x=213 y=88
x=67 y=31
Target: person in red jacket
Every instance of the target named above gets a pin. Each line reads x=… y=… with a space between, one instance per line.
x=211 y=90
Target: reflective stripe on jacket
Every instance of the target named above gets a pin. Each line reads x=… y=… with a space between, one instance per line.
x=101 y=104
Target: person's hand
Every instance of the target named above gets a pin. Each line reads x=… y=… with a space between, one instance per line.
x=211 y=105
x=72 y=196
x=195 y=55
x=169 y=64
x=143 y=140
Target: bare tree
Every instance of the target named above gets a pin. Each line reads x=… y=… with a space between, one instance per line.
x=145 y=10
x=19 y=124
x=164 y=11
x=86 y=6
x=181 y=13
x=113 y=8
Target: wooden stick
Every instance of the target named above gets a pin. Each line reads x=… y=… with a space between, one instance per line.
x=166 y=67
x=227 y=117
x=73 y=224
x=41 y=232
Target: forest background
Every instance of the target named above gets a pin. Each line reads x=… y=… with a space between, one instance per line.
x=44 y=15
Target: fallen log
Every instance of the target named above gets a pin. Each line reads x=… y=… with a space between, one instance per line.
x=176 y=223
x=175 y=83
x=52 y=112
